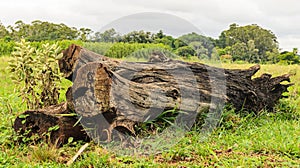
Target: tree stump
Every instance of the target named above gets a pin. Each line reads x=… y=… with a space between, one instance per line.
x=113 y=95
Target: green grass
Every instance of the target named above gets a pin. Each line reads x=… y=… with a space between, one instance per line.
x=267 y=140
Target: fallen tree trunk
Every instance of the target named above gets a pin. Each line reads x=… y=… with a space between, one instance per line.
x=110 y=94
x=56 y=120
x=241 y=91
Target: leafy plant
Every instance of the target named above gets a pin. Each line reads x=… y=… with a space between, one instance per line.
x=36 y=73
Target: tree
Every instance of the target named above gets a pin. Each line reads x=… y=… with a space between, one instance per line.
x=202 y=45
x=200 y=50
x=159 y=35
x=224 y=51
x=179 y=43
x=41 y=31
x=137 y=37
x=3 y=31
x=258 y=42
x=221 y=42
x=252 y=52
x=238 y=51
x=108 y=36
x=273 y=56
x=185 y=51
x=214 y=55
x=295 y=51
x=166 y=40
x=162 y=38
x=19 y=30
x=84 y=33
x=289 y=57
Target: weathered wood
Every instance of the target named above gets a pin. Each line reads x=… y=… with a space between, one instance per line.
x=241 y=90
x=75 y=58
x=109 y=94
x=121 y=91
x=38 y=122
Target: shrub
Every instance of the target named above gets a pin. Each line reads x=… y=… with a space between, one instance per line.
x=288 y=58
x=36 y=72
x=6 y=47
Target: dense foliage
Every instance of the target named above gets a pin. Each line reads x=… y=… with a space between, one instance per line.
x=40 y=31
x=108 y=36
x=250 y=43
x=289 y=57
x=36 y=72
x=203 y=46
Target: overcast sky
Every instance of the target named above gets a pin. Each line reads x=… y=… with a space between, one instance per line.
x=210 y=17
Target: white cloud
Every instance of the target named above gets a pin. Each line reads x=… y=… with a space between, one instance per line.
x=211 y=17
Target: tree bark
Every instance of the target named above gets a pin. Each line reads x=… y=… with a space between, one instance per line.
x=113 y=94
x=39 y=122
x=241 y=90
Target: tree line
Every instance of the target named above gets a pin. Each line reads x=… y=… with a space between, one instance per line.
x=250 y=43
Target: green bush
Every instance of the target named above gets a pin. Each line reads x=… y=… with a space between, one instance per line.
x=287 y=58
x=7 y=47
x=36 y=73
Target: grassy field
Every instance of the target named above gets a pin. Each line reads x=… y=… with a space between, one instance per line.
x=266 y=140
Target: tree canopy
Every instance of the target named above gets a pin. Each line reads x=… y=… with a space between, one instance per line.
x=250 y=43
x=41 y=31
x=108 y=36
x=287 y=57
x=3 y=31
x=203 y=46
